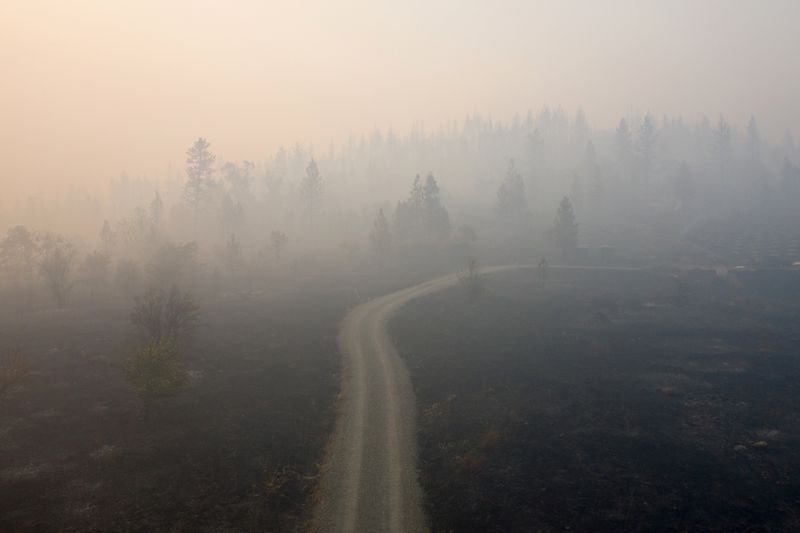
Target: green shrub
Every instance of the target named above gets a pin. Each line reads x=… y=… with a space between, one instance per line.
x=154 y=370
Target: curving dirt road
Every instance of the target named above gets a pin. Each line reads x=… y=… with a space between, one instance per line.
x=369 y=482
x=370 y=479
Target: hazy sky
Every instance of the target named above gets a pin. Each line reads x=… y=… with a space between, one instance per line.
x=92 y=88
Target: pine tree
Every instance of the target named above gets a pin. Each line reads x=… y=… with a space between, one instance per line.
x=199 y=172
x=622 y=142
x=422 y=214
x=565 y=229
x=436 y=217
x=722 y=145
x=647 y=145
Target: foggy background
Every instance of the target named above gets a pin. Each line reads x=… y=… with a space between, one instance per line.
x=207 y=146
x=92 y=89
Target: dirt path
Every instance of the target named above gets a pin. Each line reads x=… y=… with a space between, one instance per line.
x=370 y=479
x=369 y=482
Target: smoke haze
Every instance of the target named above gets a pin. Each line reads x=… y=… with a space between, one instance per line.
x=92 y=89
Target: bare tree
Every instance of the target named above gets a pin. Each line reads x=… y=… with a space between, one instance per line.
x=165 y=314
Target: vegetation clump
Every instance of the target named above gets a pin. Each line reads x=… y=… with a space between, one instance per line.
x=164 y=317
x=154 y=370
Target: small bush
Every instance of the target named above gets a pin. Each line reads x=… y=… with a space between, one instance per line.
x=154 y=370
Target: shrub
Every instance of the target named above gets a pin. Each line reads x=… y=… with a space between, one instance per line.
x=154 y=370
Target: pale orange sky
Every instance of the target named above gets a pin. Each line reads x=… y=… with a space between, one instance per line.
x=92 y=88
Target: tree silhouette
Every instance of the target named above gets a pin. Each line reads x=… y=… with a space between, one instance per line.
x=239 y=179
x=565 y=228
x=58 y=257
x=423 y=214
x=199 y=172
x=722 y=145
x=311 y=187
x=647 y=145
x=511 y=202
x=380 y=238
x=622 y=145
x=435 y=216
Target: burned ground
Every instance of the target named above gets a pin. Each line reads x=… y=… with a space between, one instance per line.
x=605 y=403
x=239 y=448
